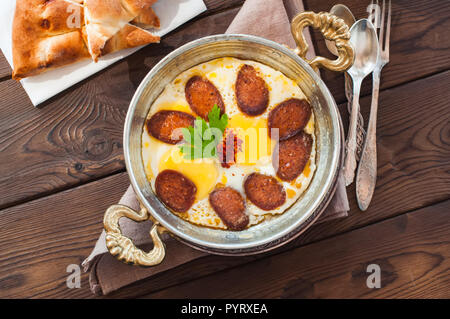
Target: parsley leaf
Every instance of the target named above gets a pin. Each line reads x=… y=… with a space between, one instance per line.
x=217 y=121
x=201 y=140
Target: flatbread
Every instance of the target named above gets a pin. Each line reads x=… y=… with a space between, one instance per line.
x=129 y=36
x=104 y=18
x=147 y=19
x=47 y=35
x=42 y=39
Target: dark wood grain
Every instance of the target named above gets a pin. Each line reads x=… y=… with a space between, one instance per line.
x=293 y=7
x=77 y=136
x=221 y=5
x=45 y=235
x=413 y=170
x=419 y=43
x=412 y=251
x=69 y=150
x=5 y=68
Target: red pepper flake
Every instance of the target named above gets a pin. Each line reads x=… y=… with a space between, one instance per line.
x=227 y=150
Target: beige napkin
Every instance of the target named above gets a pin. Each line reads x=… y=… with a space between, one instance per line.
x=107 y=274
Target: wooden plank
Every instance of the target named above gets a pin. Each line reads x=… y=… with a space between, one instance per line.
x=409 y=176
x=220 y=5
x=45 y=235
x=412 y=251
x=293 y=7
x=419 y=43
x=77 y=136
x=5 y=68
x=212 y=5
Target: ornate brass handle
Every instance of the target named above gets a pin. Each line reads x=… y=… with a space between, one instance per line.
x=122 y=246
x=333 y=29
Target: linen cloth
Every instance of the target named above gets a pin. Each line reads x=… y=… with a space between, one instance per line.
x=107 y=274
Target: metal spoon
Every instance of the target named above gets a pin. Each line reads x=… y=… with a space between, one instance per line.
x=345 y=14
x=363 y=37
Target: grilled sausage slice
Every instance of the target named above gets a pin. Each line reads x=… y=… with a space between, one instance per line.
x=162 y=125
x=264 y=191
x=252 y=94
x=201 y=95
x=290 y=117
x=292 y=156
x=175 y=190
x=230 y=206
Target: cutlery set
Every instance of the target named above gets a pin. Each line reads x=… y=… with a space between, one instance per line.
x=371 y=55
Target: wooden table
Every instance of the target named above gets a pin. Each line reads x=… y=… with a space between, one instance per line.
x=62 y=165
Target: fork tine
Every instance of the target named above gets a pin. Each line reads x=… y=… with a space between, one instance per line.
x=377 y=17
x=381 y=37
x=388 y=30
x=372 y=16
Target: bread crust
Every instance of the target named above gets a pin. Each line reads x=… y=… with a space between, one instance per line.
x=42 y=38
x=105 y=18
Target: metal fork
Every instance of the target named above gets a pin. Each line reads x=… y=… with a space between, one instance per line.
x=367 y=170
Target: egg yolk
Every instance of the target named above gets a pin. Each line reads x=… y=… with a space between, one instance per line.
x=291 y=193
x=307 y=169
x=253 y=134
x=202 y=172
x=309 y=128
x=176 y=106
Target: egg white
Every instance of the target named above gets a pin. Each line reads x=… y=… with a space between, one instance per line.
x=222 y=73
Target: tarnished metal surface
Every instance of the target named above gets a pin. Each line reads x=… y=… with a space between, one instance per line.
x=298 y=217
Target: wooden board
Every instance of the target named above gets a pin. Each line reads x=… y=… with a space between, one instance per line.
x=43 y=237
x=70 y=233
x=412 y=251
x=62 y=166
x=76 y=137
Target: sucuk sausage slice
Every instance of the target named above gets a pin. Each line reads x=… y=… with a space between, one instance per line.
x=252 y=94
x=175 y=190
x=264 y=191
x=230 y=206
x=201 y=95
x=292 y=156
x=162 y=125
x=290 y=117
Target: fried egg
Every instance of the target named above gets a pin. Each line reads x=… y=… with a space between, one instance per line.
x=253 y=156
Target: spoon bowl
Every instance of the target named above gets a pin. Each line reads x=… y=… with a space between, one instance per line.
x=363 y=37
x=341 y=11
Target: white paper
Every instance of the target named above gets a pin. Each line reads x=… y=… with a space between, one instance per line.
x=172 y=14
